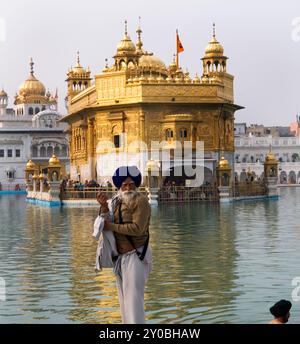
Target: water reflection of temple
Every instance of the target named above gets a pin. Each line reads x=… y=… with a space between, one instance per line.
x=94 y=296
x=195 y=262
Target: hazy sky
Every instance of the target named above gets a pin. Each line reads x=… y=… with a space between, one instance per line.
x=257 y=37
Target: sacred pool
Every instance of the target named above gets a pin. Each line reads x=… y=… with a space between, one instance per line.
x=213 y=263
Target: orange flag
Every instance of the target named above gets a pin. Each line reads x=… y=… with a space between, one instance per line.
x=179 y=46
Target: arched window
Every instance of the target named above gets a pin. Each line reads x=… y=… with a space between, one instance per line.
x=43 y=152
x=57 y=151
x=208 y=67
x=122 y=65
x=183 y=133
x=49 y=151
x=34 y=151
x=37 y=110
x=43 y=107
x=30 y=111
x=223 y=67
x=130 y=64
x=169 y=134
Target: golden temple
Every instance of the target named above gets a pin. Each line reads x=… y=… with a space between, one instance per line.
x=143 y=98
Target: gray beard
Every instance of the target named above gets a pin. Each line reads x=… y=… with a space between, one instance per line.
x=128 y=197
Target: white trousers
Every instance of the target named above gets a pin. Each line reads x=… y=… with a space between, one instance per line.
x=131 y=286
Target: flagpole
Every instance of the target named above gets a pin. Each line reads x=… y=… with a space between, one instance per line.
x=177 y=55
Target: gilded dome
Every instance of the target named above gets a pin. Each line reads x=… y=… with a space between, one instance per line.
x=126 y=45
x=3 y=93
x=31 y=165
x=151 y=61
x=214 y=48
x=270 y=157
x=223 y=163
x=78 y=69
x=32 y=86
x=54 y=161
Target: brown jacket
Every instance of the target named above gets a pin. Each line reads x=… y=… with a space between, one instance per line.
x=136 y=224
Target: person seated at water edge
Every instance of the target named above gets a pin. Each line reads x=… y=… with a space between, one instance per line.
x=131 y=217
x=281 y=312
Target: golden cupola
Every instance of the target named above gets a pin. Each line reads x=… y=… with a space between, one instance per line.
x=214 y=48
x=270 y=158
x=214 y=60
x=223 y=164
x=127 y=54
x=126 y=45
x=78 y=78
x=78 y=69
x=3 y=94
x=32 y=86
x=54 y=161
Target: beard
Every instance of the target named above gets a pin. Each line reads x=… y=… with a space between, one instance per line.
x=128 y=197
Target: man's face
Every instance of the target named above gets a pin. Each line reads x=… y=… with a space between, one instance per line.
x=128 y=185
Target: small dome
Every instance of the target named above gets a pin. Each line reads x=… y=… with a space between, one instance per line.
x=31 y=165
x=270 y=157
x=196 y=79
x=223 y=163
x=54 y=161
x=151 y=61
x=173 y=65
x=78 y=69
x=3 y=93
x=214 y=49
x=126 y=45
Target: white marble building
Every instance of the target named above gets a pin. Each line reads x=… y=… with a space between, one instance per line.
x=31 y=130
x=250 y=153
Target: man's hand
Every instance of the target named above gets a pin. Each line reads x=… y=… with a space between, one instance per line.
x=106 y=224
x=102 y=199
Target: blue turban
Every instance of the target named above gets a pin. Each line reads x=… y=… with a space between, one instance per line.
x=123 y=172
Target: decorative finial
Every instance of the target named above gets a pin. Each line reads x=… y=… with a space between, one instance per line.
x=78 y=58
x=214 y=30
x=106 y=63
x=139 y=31
x=126 y=27
x=31 y=66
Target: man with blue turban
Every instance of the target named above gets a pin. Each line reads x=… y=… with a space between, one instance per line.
x=131 y=218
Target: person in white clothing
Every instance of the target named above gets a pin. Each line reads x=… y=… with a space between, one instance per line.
x=130 y=225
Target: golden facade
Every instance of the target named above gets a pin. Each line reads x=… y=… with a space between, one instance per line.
x=140 y=96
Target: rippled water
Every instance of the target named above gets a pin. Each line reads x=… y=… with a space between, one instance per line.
x=212 y=263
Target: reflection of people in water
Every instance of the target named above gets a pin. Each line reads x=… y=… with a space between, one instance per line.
x=281 y=312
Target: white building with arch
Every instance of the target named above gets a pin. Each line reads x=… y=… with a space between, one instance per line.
x=251 y=151
x=30 y=130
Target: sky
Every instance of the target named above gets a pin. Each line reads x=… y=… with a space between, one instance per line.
x=261 y=39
